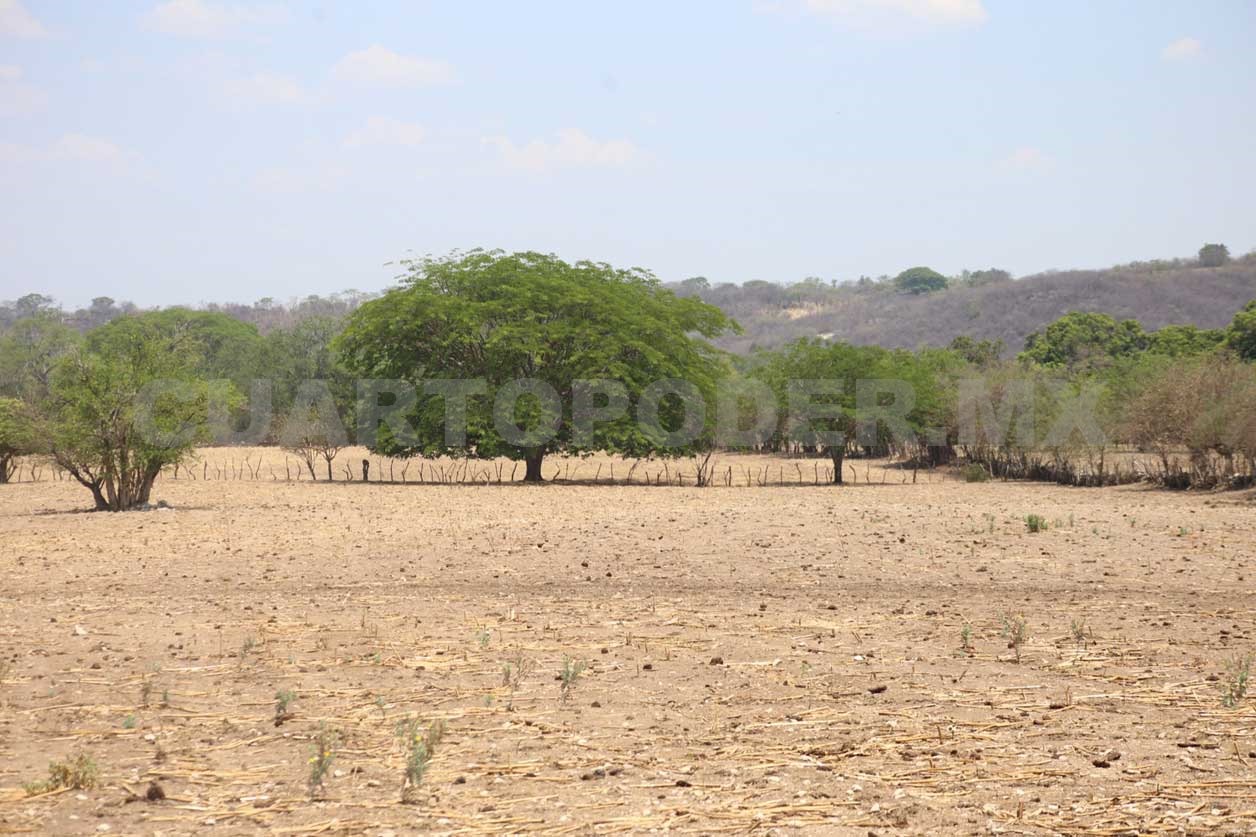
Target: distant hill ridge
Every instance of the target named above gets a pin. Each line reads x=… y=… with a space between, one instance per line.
x=878 y=313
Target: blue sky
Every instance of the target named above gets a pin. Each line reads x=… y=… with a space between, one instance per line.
x=197 y=150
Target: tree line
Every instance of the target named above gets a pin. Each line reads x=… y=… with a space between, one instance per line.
x=537 y=356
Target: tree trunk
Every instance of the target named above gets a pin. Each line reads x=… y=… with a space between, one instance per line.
x=330 y=478
x=839 y=458
x=533 y=461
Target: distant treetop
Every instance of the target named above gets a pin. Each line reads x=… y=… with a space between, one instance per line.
x=920 y=280
x=1213 y=255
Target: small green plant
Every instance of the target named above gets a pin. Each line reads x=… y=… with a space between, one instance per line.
x=513 y=673
x=1237 y=672
x=483 y=637
x=1078 y=630
x=1035 y=523
x=420 y=746
x=79 y=773
x=973 y=472
x=146 y=690
x=966 y=639
x=321 y=759
x=129 y=722
x=283 y=699
x=989 y=522
x=1016 y=632
x=568 y=676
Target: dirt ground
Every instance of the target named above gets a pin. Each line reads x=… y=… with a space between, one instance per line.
x=776 y=659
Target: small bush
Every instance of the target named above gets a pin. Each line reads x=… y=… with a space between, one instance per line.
x=321 y=760
x=973 y=472
x=1237 y=673
x=420 y=747
x=1036 y=523
x=1016 y=631
x=568 y=676
x=79 y=773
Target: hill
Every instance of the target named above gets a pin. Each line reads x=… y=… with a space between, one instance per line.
x=987 y=305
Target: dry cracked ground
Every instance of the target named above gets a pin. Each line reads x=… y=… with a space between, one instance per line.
x=772 y=659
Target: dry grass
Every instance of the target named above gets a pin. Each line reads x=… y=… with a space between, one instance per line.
x=765 y=658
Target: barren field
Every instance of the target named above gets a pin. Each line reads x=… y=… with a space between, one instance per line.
x=777 y=659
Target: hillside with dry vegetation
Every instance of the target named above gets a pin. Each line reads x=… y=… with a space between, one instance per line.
x=985 y=305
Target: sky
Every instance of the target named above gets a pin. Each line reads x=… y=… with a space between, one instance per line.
x=193 y=150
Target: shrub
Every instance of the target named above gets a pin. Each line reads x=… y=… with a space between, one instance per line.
x=973 y=472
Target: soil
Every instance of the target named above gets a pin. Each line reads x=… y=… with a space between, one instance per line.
x=783 y=659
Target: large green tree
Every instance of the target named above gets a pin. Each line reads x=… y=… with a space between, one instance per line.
x=17 y=435
x=29 y=350
x=1213 y=255
x=920 y=280
x=1081 y=341
x=515 y=329
x=1241 y=335
x=815 y=384
x=128 y=403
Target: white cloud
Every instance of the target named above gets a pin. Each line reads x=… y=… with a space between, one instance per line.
x=383 y=130
x=69 y=147
x=265 y=88
x=381 y=66
x=15 y=95
x=1025 y=158
x=573 y=148
x=1183 y=49
x=200 y=19
x=16 y=21
x=301 y=178
x=83 y=147
x=926 y=11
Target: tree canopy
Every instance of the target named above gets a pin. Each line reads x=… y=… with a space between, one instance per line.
x=1241 y=335
x=1084 y=340
x=128 y=403
x=920 y=280
x=1213 y=255
x=516 y=329
x=17 y=435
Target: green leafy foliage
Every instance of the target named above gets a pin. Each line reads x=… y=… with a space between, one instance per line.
x=920 y=280
x=1213 y=255
x=1084 y=341
x=502 y=317
x=1241 y=335
x=17 y=435
x=127 y=404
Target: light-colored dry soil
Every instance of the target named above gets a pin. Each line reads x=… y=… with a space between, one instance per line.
x=779 y=659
